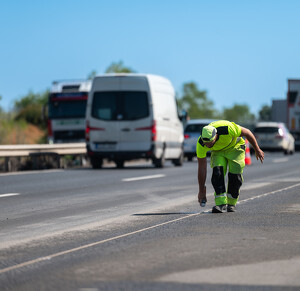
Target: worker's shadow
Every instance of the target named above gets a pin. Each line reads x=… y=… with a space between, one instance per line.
x=164 y=213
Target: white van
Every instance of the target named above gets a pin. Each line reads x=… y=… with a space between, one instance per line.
x=132 y=116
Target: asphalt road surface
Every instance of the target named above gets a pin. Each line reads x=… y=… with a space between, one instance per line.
x=141 y=228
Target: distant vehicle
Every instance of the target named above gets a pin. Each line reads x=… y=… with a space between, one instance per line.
x=133 y=116
x=293 y=109
x=192 y=131
x=66 y=111
x=274 y=136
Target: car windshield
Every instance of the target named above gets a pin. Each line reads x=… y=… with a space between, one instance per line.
x=194 y=128
x=120 y=105
x=266 y=129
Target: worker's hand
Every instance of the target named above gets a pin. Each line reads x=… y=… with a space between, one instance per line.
x=260 y=155
x=202 y=197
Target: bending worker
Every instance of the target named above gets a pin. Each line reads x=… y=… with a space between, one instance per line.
x=224 y=140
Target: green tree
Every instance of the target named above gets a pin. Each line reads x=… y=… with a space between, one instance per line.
x=265 y=113
x=118 y=68
x=30 y=106
x=196 y=102
x=1 y=110
x=32 y=98
x=238 y=113
x=91 y=75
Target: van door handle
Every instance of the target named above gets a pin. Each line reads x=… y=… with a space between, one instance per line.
x=125 y=129
x=166 y=118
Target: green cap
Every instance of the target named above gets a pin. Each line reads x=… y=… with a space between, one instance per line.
x=208 y=133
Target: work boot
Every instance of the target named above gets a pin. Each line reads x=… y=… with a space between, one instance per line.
x=219 y=208
x=230 y=208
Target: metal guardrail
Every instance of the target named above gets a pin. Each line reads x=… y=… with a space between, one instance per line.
x=27 y=150
x=38 y=154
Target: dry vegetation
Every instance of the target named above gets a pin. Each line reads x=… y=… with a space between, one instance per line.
x=19 y=133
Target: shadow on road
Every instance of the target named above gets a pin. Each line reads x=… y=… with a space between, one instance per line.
x=165 y=213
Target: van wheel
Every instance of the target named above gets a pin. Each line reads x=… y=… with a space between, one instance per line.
x=159 y=163
x=178 y=162
x=120 y=164
x=96 y=163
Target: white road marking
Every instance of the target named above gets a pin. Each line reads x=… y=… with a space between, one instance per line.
x=41 y=259
x=281 y=160
x=143 y=178
x=31 y=172
x=46 y=258
x=9 y=194
x=269 y=193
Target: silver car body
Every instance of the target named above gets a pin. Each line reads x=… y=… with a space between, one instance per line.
x=274 y=136
x=192 y=131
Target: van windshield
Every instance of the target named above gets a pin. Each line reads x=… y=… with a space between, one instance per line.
x=120 y=105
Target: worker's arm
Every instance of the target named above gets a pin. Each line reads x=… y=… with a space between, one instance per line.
x=251 y=138
x=202 y=168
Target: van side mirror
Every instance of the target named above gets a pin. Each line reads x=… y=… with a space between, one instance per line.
x=183 y=116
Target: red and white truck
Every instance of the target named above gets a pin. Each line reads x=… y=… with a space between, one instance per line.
x=293 y=109
x=66 y=111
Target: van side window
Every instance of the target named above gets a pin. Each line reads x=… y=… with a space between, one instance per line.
x=120 y=105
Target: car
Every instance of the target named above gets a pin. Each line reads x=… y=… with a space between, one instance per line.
x=274 y=136
x=192 y=131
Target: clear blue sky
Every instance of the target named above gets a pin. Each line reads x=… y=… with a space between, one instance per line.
x=239 y=51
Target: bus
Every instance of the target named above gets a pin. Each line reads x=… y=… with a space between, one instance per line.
x=66 y=111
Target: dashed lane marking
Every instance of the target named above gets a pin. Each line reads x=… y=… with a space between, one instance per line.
x=9 y=195
x=281 y=160
x=143 y=178
x=46 y=258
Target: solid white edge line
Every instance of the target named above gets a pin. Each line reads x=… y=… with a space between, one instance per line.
x=269 y=193
x=31 y=172
x=143 y=178
x=41 y=259
x=9 y=195
x=89 y=245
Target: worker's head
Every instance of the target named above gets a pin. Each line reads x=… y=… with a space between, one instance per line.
x=208 y=136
